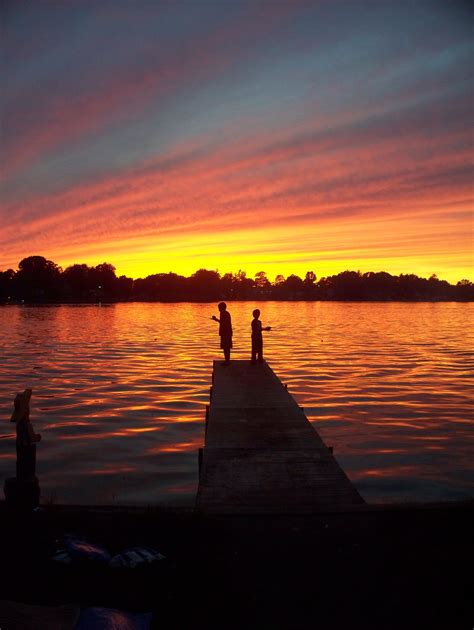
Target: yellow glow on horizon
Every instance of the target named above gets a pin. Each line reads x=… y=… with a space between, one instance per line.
x=241 y=208
x=326 y=249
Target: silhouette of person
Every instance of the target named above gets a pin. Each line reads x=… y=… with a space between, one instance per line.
x=225 y=330
x=257 y=338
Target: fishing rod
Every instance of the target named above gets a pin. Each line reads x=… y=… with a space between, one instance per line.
x=212 y=319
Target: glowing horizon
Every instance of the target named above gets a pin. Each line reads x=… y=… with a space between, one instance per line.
x=281 y=138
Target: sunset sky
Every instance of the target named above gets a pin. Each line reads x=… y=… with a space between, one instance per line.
x=276 y=136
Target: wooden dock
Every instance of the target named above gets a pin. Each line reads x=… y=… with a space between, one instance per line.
x=261 y=453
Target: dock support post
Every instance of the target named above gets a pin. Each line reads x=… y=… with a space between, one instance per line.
x=23 y=491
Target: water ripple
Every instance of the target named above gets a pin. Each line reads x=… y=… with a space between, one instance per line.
x=120 y=392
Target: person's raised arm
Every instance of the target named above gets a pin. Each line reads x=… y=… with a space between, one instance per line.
x=216 y=319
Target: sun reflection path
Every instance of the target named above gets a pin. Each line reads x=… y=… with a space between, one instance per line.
x=123 y=388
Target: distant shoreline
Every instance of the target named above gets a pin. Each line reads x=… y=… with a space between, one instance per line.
x=251 y=300
x=42 y=281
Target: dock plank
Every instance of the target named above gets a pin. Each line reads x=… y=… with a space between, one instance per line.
x=261 y=453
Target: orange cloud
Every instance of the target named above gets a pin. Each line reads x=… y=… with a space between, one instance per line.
x=285 y=206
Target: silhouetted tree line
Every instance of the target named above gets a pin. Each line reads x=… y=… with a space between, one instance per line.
x=39 y=280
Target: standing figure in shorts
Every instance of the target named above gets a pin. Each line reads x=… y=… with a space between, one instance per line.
x=257 y=338
x=225 y=330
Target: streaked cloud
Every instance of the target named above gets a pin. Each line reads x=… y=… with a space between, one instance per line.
x=282 y=136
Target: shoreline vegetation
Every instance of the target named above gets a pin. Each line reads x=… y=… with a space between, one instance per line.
x=41 y=281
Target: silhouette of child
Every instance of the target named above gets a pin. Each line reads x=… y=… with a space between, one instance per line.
x=225 y=330
x=257 y=338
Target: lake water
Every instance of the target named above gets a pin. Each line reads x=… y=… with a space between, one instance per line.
x=119 y=393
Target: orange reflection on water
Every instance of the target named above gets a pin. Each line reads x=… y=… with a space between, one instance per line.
x=113 y=470
x=179 y=447
x=126 y=385
x=428 y=438
x=184 y=489
x=108 y=434
x=60 y=425
x=397 y=423
x=188 y=419
x=142 y=429
x=392 y=471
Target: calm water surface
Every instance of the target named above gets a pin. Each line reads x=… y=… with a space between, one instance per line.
x=119 y=393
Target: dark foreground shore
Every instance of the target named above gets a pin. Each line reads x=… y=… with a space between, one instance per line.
x=379 y=567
